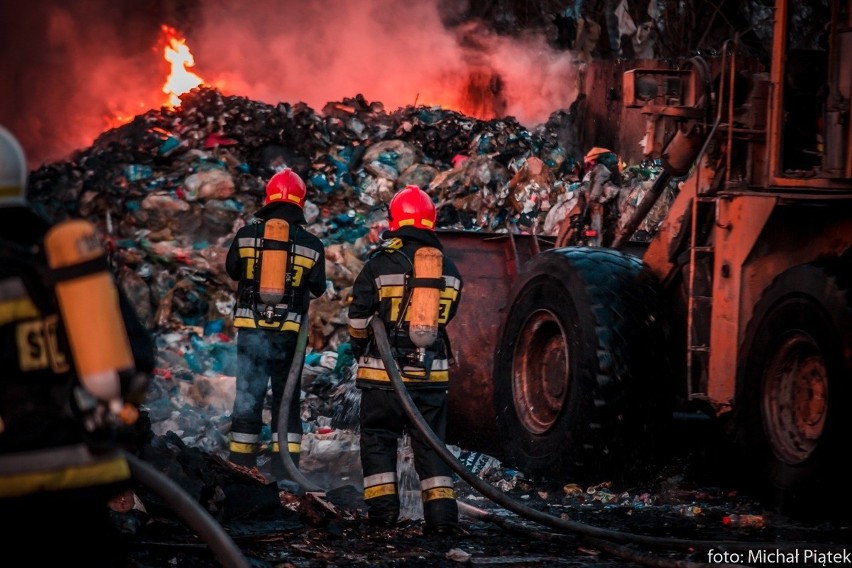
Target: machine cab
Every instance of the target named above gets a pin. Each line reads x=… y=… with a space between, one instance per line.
x=812 y=80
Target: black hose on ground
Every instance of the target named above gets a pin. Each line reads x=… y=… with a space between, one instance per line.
x=284 y=411
x=498 y=497
x=192 y=513
x=618 y=550
x=604 y=539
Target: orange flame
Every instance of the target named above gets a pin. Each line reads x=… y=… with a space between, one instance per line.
x=180 y=79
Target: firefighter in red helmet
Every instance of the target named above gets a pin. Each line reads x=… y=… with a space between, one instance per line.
x=415 y=290
x=411 y=207
x=279 y=267
x=67 y=401
x=286 y=186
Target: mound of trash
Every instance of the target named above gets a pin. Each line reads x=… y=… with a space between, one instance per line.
x=169 y=189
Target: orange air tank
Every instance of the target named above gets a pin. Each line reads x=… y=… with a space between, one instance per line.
x=273 y=261
x=425 y=297
x=89 y=304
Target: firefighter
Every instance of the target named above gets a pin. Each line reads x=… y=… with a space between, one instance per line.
x=75 y=364
x=280 y=267
x=387 y=288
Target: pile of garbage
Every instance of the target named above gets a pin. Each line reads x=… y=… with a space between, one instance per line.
x=169 y=189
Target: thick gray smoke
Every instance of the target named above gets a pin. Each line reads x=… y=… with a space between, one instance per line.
x=71 y=70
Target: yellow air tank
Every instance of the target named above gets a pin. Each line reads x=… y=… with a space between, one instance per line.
x=425 y=297
x=89 y=304
x=273 y=261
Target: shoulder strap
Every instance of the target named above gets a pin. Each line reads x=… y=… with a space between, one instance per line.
x=406 y=295
x=258 y=243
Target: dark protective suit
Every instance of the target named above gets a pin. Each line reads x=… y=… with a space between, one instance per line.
x=380 y=291
x=56 y=476
x=266 y=347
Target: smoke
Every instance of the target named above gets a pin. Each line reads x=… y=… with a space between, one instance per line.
x=80 y=66
x=67 y=70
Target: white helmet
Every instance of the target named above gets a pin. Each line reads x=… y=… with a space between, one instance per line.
x=13 y=171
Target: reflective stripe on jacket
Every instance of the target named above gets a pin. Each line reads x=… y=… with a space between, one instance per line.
x=380 y=291
x=305 y=272
x=59 y=469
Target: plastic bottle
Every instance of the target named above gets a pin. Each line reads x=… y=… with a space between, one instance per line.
x=741 y=521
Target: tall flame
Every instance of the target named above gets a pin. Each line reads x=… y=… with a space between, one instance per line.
x=180 y=79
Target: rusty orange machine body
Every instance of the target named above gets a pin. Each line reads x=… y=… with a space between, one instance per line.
x=572 y=358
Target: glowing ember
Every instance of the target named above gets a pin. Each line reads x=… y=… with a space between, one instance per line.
x=180 y=79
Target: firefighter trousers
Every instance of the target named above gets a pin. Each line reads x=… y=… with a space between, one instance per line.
x=383 y=422
x=263 y=357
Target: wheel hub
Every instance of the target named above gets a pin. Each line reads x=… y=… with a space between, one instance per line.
x=795 y=398
x=540 y=371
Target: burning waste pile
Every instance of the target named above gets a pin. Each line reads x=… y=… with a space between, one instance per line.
x=169 y=189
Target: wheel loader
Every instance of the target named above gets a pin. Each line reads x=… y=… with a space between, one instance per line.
x=571 y=360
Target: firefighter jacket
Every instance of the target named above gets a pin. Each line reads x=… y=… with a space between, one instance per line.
x=383 y=289
x=44 y=444
x=305 y=274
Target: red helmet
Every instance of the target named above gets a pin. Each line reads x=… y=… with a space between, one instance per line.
x=411 y=206
x=286 y=186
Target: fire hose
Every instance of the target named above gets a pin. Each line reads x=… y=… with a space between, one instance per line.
x=192 y=513
x=606 y=539
x=611 y=541
x=284 y=411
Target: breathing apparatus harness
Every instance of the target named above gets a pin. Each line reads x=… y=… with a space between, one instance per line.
x=273 y=275
x=423 y=334
x=78 y=276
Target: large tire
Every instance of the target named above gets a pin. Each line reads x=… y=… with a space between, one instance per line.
x=582 y=382
x=793 y=418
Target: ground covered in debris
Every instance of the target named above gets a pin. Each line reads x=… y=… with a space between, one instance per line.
x=674 y=517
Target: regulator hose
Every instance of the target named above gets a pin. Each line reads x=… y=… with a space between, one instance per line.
x=284 y=411
x=497 y=496
x=192 y=513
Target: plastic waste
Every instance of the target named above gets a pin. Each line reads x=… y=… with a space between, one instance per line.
x=689 y=511
x=479 y=463
x=741 y=521
x=138 y=172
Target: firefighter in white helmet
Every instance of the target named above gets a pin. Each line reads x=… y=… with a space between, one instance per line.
x=64 y=413
x=415 y=290
x=279 y=266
